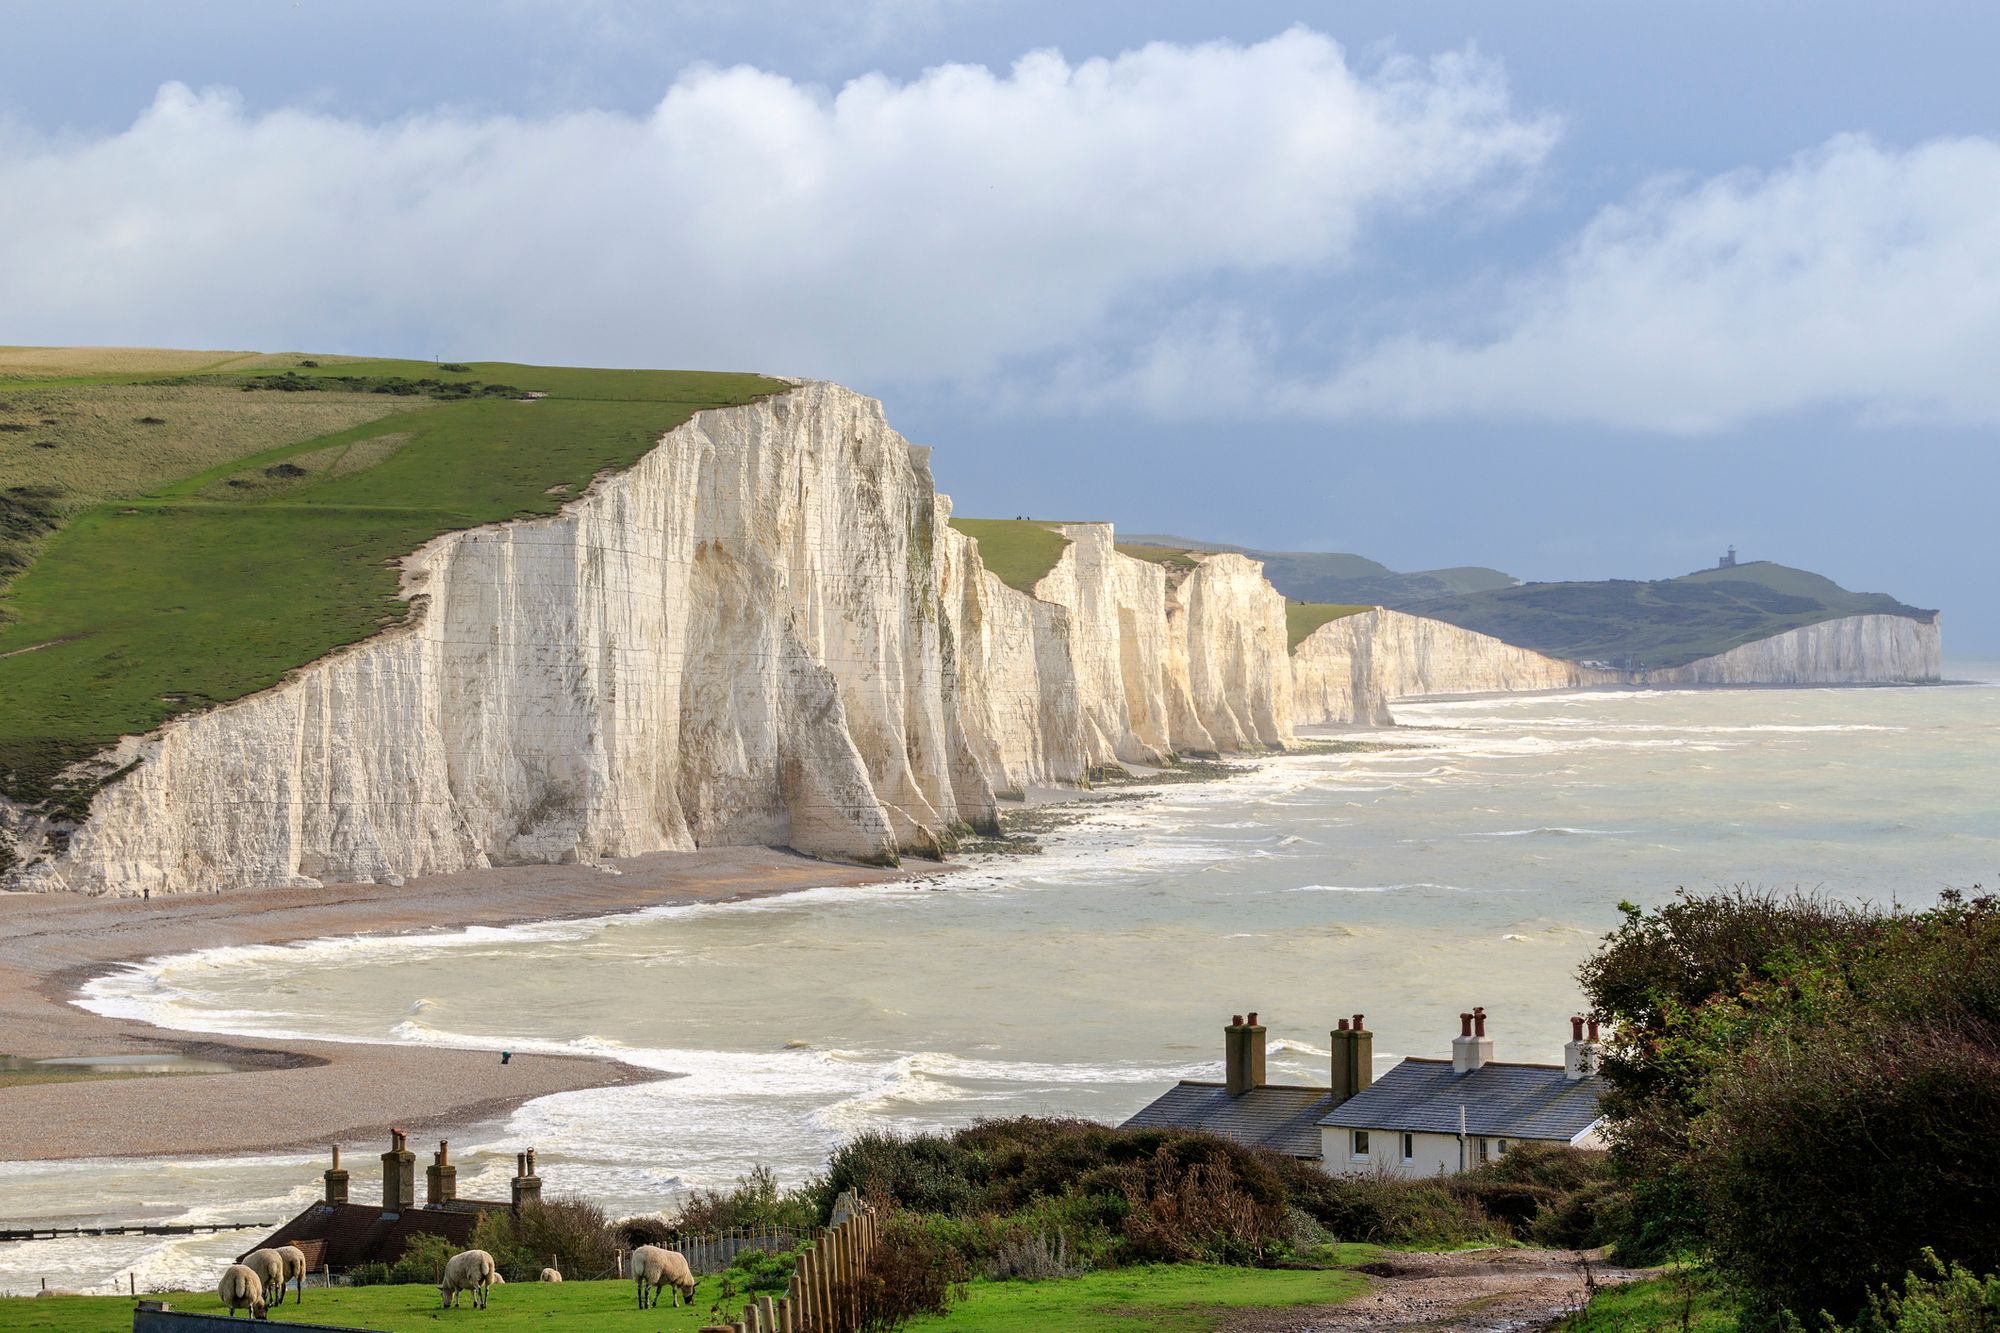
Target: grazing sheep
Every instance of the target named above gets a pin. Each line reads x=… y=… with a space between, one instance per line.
x=57 y=1291
x=471 y=1271
x=655 y=1267
x=242 y=1289
x=551 y=1275
x=269 y=1266
x=295 y=1268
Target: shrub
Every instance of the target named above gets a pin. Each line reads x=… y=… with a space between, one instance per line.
x=571 y=1234
x=1945 y=1300
x=910 y=1274
x=754 y=1201
x=648 y=1229
x=1034 y=1257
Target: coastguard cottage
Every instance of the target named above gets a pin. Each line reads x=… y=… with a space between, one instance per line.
x=1423 y=1117
x=338 y=1235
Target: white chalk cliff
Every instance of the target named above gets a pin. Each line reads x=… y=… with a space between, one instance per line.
x=1872 y=649
x=1351 y=669
x=766 y=632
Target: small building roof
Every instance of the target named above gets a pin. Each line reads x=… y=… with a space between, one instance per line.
x=1500 y=1100
x=341 y=1235
x=1283 y=1119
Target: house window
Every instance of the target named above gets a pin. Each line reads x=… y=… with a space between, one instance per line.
x=1360 y=1143
x=1482 y=1149
x=1409 y=1147
x=1503 y=1148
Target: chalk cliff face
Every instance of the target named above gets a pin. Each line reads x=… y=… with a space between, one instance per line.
x=736 y=641
x=766 y=632
x=1348 y=670
x=1854 y=650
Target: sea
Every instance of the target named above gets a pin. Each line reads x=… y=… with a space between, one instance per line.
x=1473 y=855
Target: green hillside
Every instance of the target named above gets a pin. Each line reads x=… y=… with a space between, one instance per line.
x=1343 y=579
x=1302 y=618
x=179 y=535
x=1020 y=551
x=1664 y=623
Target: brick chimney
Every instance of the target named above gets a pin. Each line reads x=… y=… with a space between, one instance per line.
x=440 y=1177
x=1581 y=1054
x=399 y=1174
x=1472 y=1047
x=1353 y=1058
x=527 y=1185
x=336 y=1180
x=1243 y=1055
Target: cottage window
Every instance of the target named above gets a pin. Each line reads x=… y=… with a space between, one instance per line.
x=1409 y=1147
x=1503 y=1147
x=1482 y=1149
x=1360 y=1143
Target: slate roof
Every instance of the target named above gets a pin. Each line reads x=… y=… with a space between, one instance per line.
x=1282 y=1119
x=1500 y=1100
x=342 y=1235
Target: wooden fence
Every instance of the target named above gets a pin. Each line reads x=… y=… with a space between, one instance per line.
x=715 y=1251
x=825 y=1291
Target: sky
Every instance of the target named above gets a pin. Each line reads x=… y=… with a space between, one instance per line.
x=1573 y=290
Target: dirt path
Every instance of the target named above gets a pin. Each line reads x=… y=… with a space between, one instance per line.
x=1472 y=1291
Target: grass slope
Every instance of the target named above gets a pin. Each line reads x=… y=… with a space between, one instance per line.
x=1176 y=559
x=1679 y=1301
x=1302 y=618
x=156 y=597
x=1184 y=1299
x=1665 y=623
x=1337 y=578
x=1021 y=552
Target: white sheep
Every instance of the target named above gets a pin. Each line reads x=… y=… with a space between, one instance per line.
x=471 y=1271
x=242 y=1289
x=656 y=1267
x=269 y=1266
x=295 y=1269
x=551 y=1275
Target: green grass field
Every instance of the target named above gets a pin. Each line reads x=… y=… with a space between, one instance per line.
x=1681 y=1301
x=1185 y=1299
x=1176 y=559
x=247 y=533
x=1021 y=552
x=1302 y=618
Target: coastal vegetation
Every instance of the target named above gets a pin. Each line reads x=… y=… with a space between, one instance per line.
x=1016 y=550
x=187 y=538
x=1664 y=623
x=1302 y=618
x=1804 y=1097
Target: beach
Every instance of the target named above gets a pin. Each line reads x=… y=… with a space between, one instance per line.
x=291 y=1094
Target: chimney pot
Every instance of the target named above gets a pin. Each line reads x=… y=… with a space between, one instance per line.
x=1478 y=1020
x=1236 y=1020
x=1360 y=1023
x=1343 y=1025
x=336 y=1157
x=1593 y=1029
x=1465 y=1025
x=1253 y=1018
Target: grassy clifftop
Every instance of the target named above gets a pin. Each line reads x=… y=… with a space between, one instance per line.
x=1664 y=623
x=182 y=529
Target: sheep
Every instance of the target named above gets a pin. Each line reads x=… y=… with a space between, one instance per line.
x=471 y=1271
x=655 y=1267
x=241 y=1288
x=269 y=1266
x=295 y=1268
x=551 y=1275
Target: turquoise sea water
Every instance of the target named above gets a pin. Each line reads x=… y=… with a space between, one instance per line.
x=1476 y=860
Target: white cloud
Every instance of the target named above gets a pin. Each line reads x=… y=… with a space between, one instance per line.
x=886 y=231
x=1856 y=279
